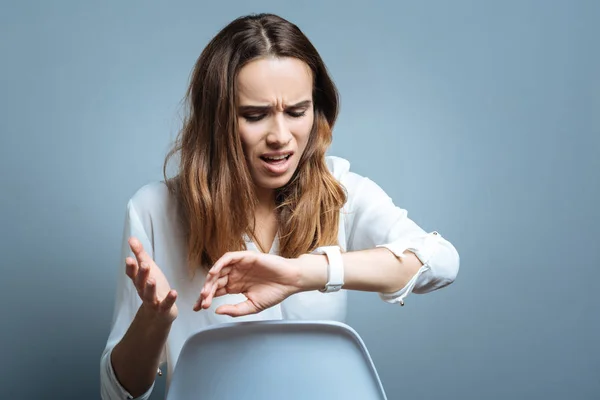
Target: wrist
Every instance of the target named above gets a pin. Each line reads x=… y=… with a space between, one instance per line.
x=312 y=274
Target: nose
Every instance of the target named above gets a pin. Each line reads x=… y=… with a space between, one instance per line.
x=279 y=133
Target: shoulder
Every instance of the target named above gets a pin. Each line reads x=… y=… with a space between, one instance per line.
x=152 y=201
x=151 y=195
x=342 y=172
x=340 y=169
x=338 y=166
x=361 y=191
x=153 y=210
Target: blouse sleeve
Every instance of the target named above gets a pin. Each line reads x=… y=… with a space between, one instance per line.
x=373 y=220
x=127 y=303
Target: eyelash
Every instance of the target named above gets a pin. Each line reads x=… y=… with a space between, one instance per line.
x=256 y=118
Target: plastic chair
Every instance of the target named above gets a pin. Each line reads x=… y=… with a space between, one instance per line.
x=267 y=360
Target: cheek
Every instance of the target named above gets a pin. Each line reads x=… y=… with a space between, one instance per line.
x=303 y=129
x=250 y=135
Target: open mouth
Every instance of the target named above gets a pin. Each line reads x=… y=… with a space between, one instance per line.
x=276 y=159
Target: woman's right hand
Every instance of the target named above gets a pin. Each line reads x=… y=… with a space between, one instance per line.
x=150 y=282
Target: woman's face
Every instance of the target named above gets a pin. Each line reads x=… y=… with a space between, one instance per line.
x=275 y=118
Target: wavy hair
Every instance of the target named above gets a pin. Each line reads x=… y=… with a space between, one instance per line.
x=213 y=186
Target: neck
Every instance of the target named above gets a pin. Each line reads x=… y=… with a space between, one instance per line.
x=266 y=200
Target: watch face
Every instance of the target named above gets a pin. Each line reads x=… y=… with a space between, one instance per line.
x=335 y=288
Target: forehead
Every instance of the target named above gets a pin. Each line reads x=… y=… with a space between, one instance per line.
x=274 y=80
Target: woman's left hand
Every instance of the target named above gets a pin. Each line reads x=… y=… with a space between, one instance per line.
x=265 y=279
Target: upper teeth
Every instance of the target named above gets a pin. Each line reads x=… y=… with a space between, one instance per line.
x=277 y=158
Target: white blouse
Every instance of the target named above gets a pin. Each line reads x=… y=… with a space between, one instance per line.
x=368 y=219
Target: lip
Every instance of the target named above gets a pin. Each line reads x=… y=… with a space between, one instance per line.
x=277 y=154
x=279 y=168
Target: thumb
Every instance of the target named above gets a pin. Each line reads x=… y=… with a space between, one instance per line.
x=237 y=310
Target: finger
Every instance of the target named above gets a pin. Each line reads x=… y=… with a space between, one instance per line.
x=237 y=310
x=168 y=301
x=221 y=283
x=210 y=287
x=131 y=268
x=149 y=295
x=205 y=298
x=221 y=292
x=138 y=250
x=213 y=280
x=229 y=258
x=142 y=276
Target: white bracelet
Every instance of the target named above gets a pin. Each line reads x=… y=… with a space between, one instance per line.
x=335 y=268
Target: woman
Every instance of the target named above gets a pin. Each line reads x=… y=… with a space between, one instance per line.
x=252 y=225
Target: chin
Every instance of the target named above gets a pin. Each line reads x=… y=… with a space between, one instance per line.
x=274 y=183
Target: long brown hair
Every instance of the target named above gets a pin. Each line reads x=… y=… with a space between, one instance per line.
x=213 y=186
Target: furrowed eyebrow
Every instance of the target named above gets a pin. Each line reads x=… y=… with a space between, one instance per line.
x=265 y=109
x=302 y=104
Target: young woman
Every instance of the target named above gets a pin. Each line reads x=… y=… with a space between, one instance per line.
x=258 y=223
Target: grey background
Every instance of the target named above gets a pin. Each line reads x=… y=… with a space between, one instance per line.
x=479 y=117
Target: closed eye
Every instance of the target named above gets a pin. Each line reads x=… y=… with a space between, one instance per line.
x=255 y=113
x=297 y=114
x=254 y=117
x=258 y=117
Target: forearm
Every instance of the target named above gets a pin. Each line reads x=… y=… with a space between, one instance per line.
x=136 y=357
x=373 y=270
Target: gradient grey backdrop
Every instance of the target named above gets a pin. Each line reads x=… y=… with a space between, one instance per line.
x=481 y=118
